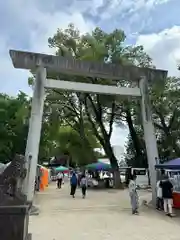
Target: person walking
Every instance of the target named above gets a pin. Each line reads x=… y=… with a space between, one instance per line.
x=73 y=182
x=133 y=194
x=167 y=194
x=59 y=179
x=159 y=203
x=83 y=185
x=79 y=179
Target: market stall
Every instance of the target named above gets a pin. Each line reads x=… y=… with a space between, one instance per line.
x=172 y=168
x=100 y=174
x=98 y=166
x=62 y=169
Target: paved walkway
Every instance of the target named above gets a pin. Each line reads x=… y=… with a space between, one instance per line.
x=103 y=215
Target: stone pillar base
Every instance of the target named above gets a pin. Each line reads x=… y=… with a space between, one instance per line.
x=14 y=222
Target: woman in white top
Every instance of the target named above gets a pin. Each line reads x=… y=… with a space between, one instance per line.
x=133 y=195
x=159 y=203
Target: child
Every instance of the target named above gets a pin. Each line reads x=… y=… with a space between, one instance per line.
x=83 y=185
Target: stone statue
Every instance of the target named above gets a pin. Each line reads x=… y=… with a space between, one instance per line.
x=11 y=182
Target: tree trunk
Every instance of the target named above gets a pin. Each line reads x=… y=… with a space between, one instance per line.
x=117 y=179
x=139 y=157
x=85 y=144
x=133 y=134
x=114 y=164
x=104 y=137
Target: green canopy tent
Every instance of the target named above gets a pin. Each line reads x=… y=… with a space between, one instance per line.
x=62 y=169
x=98 y=166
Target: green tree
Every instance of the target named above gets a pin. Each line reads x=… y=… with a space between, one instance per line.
x=166 y=117
x=14 y=113
x=105 y=47
x=70 y=142
x=166 y=114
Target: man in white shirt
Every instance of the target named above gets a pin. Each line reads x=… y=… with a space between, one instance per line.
x=59 y=179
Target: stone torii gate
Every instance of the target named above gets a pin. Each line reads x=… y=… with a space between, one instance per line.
x=43 y=63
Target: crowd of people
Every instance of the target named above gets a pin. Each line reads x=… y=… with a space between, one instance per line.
x=164 y=191
x=75 y=181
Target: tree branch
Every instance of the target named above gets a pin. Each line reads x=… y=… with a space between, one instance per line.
x=172 y=119
x=99 y=119
x=99 y=106
x=112 y=118
x=73 y=107
x=101 y=140
x=71 y=125
x=164 y=126
x=93 y=106
x=158 y=126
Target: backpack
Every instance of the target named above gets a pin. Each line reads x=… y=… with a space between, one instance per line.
x=74 y=180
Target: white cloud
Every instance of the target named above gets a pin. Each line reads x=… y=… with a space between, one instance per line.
x=38 y=26
x=86 y=5
x=126 y=7
x=11 y=80
x=164 y=48
x=28 y=24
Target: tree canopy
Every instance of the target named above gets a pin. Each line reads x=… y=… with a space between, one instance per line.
x=166 y=115
x=14 y=114
x=56 y=139
x=98 y=110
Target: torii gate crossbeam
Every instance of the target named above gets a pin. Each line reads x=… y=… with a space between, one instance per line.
x=92 y=88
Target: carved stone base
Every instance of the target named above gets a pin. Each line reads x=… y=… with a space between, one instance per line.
x=14 y=222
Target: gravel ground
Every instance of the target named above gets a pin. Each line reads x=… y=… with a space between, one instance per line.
x=103 y=215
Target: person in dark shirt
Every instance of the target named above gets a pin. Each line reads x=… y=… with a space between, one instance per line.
x=167 y=194
x=73 y=182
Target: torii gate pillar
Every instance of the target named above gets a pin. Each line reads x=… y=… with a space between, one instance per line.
x=34 y=133
x=149 y=135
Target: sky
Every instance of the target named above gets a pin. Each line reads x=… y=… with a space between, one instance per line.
x=26 y=25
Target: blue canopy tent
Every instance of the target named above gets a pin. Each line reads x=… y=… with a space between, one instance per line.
x=172 y=164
